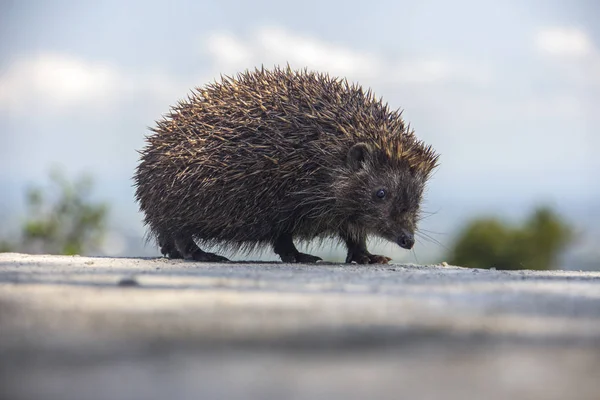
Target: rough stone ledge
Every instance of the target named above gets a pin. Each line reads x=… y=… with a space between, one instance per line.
x=98 y=328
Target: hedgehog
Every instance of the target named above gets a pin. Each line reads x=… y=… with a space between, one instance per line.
x=269 y=157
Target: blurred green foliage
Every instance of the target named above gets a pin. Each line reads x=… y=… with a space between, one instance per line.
x=536 y=244
x=61 y=219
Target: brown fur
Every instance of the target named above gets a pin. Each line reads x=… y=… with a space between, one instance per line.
x=273 y=156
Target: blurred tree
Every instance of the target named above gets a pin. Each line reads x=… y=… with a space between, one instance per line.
x=61 y=219
x=487 y=243
x=5 y=246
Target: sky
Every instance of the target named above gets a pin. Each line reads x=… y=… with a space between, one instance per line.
x=508 y=92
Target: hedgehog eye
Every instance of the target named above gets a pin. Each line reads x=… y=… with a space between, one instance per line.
x=380 y=193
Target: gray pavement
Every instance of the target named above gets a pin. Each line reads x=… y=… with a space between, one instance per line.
x=105 y=328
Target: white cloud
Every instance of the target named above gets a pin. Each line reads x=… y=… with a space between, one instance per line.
x=227 y=49
x=439 y=71
x=574 y=53
x=56 y=81
x=62 y=84
x=297 y=49
x=275 y=46
x=568 y=42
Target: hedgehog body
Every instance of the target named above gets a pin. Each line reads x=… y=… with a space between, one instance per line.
x=270 y=157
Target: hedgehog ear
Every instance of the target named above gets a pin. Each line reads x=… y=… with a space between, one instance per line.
x=358 y=155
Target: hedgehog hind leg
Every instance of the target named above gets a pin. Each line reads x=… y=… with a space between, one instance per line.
x=167 y=247
x=189 y=250
x=284 y=247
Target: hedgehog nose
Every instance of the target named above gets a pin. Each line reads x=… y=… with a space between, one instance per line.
x=406 y=240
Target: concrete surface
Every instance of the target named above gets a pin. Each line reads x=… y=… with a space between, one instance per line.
x=102 y=328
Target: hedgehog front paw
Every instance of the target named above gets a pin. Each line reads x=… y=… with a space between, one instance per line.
x=363 y=257
x=359 y=257
x=377 y=259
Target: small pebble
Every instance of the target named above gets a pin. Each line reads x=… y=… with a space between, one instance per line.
x=128 y=282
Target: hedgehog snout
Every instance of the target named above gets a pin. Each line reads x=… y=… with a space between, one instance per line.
x=406 y=240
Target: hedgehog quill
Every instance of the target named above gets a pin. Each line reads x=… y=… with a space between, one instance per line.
x=273 y=157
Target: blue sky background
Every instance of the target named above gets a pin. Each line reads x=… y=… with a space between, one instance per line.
x=507 y=91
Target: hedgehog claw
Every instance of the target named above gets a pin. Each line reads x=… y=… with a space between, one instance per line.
x=366 y=258
x=300 y=258
x=377 y=259
x=200 y=255
x=307 y=258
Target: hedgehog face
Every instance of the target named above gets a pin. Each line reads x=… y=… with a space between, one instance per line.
x=395 y=204
x=383 y=199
